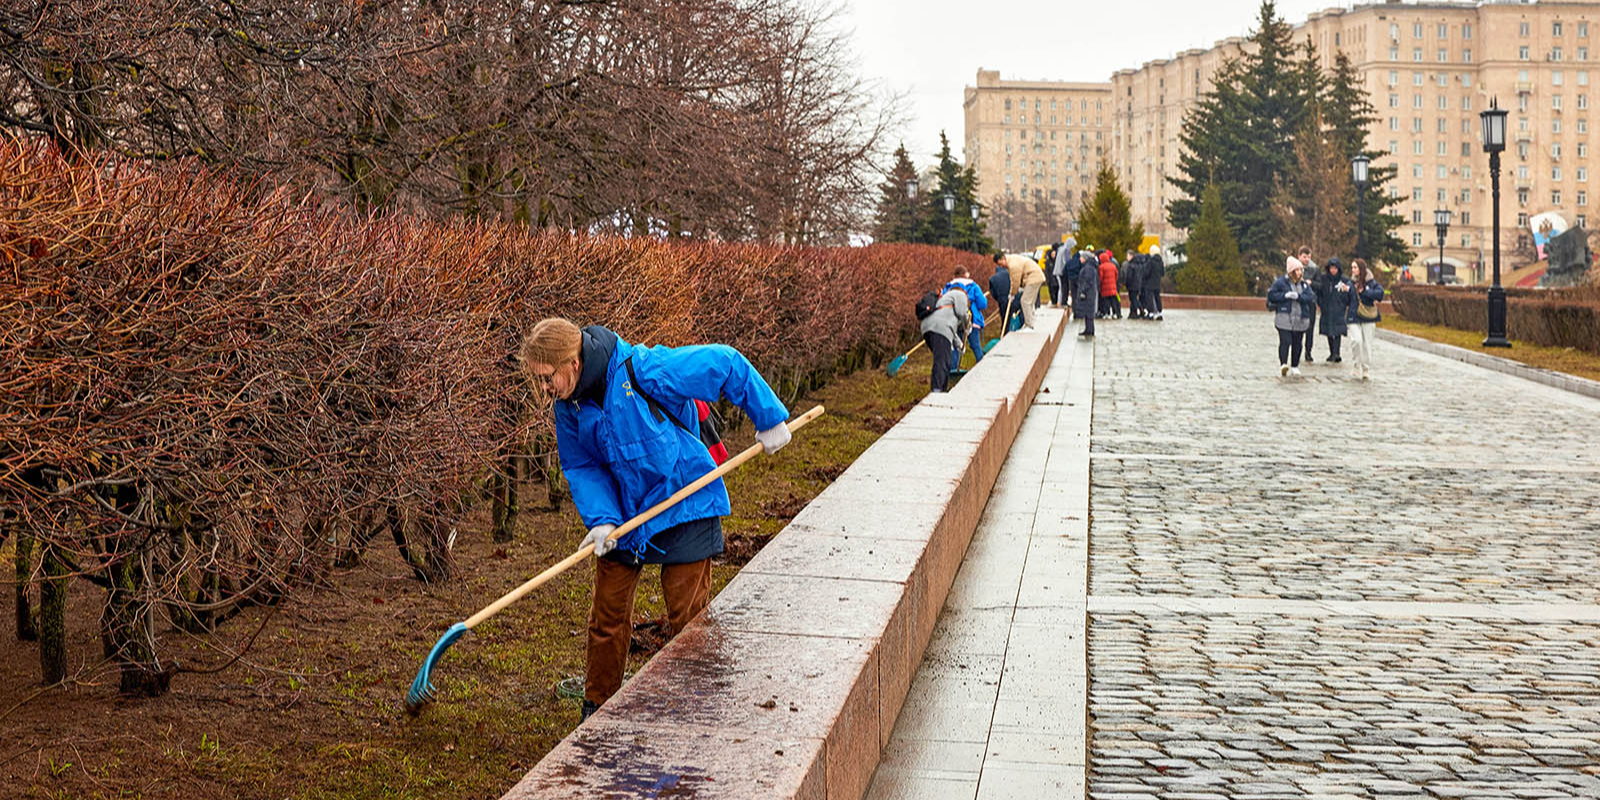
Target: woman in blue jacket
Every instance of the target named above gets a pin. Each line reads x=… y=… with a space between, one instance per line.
x=628 y=437
x=1294 y=303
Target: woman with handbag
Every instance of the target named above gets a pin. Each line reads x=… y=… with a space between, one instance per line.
x=1294 y=304
x=1363 y=316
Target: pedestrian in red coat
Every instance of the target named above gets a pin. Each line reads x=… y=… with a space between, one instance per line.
x=1109 y=307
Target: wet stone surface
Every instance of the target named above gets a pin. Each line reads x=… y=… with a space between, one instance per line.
x=1214 y=480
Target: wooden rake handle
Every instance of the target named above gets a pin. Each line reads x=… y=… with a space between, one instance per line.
x=625 y=528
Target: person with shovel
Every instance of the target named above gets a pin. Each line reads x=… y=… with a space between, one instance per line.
x=977 y=303
x=628 y=437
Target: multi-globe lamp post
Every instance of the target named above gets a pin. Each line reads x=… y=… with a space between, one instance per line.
x=1494 y=142
x=1358 y=174
x=1441 y=225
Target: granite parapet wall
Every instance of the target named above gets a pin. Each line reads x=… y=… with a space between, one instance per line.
x=790 y=684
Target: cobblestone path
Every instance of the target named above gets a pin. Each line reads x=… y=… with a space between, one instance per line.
x=1310 y=589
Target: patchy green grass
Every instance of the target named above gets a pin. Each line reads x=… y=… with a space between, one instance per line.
x=1560 y=359
x=313 y=711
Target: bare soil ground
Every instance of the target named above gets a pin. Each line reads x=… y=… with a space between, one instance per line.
x=312 y=710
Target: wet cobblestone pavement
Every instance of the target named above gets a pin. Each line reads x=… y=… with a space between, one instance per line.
x=1337 y=589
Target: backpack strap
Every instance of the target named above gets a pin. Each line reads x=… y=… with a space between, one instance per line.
x=656 y=408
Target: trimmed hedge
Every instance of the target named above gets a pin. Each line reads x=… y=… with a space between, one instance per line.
x=210 y=391
x=1551 y=317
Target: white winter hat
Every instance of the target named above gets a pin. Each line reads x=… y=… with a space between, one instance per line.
x=1293 y=265
x=1154 y=250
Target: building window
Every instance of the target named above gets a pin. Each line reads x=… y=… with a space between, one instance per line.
x=1555 y=197
x=1522 y=197
x=1416 y=79
x=1444 y=80
x=1556 y=78
x=1583 y=221
x=1394 y=77
x=1394 y=54
x=1441 y=124
x=1555 y=126
x=1466 y=103
x=1583 y=54
x=1522 y=102
x=1444 y=103
x=1583 y=197
x=1416 y=101
x=1555 y=54
x=1394 y=193
x=1555 y=173
x=1444 y=31
x=1466 y=149
x=1416 y=216
x=1522 y=219
x=1443 y=56
x=1416 y=150
x=1442 y=152
x=1466 y=216
x=1583 y=149
x=1466 y=56
x=1583 y=29
x=1466 y=175
x=1466 y=239
x=1394 y=100
x=1555 y=102
x=1416 y=124
x=1522 y=29
x=1394 y=147
x=1555 y=29
x=1416 y=30
x=1416 y=193
x=1439 y=196
x=1416 y=238
x=1394 y=123
x=1583 y=174
x=1522 y=52
x=1394 y=31
x=1416 y=54
x=1522 y=172
x=1466 y=31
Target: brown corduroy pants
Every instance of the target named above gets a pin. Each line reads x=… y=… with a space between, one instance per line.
x=685 y=587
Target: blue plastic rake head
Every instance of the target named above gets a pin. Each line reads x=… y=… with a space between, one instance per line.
x=422 y=690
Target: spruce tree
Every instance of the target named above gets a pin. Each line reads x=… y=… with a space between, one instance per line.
x=1240 y=137
x=1349 y=116
x=1105 y=221
x=951 y=228
x=898 y=217
x=1213 y=265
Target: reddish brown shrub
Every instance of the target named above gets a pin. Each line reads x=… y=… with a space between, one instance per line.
x=1552 y=317
x=207 y=395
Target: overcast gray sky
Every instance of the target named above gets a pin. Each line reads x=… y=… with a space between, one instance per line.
x=929 y=49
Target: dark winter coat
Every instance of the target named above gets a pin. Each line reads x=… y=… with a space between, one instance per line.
x=1087 y=300
x=1000 y=290
x=1154 y=271
x=1074 y=267
x=1293 y=313
x=1133 y=275
x=1371 y=294
x=1335 y=304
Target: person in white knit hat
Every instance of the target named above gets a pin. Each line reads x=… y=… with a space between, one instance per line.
x=1292 y=300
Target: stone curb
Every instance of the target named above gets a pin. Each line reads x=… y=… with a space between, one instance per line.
x=1207 y=302
x=1559 y=380
x=790 y=683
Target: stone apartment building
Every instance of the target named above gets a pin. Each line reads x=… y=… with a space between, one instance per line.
x=1429 y=69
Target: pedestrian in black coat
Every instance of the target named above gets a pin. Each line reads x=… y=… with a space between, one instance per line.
x=1333 y=292
x=1154 y=271
x=1133 y=280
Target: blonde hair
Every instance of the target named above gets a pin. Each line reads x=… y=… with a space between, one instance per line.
x=553 y=342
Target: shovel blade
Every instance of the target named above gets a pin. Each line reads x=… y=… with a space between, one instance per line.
x=895 y=364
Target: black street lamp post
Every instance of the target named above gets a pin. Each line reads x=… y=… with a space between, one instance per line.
x=1358 y=172
x=1494 y=141
x=949 y=221
x=911 y=188
x=1441 y=225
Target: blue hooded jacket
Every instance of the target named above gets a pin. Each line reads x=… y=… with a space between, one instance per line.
x=977 y=303
x=620 y=459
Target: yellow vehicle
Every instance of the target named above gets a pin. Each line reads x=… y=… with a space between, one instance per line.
x=1149 y=242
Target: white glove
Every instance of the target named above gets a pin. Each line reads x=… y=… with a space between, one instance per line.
x=774 y=438
x=600 y=537
x=1292 y=295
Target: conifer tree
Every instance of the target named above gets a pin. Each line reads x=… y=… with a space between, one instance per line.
x=898 y=217
x=1105 y=221
x=953 y=228
x=1240 y=138
x=1214 y=266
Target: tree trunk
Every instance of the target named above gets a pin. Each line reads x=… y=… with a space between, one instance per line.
x=26 y=632
x=503 y=488
x=52 y=617
x=127 y=623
